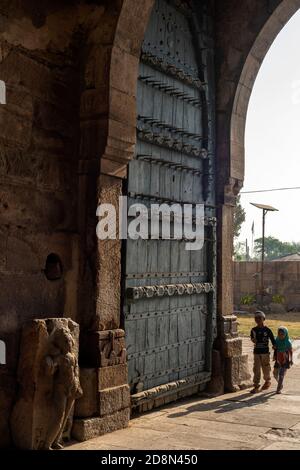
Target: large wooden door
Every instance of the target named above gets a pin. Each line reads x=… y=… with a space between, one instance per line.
x=170 y=292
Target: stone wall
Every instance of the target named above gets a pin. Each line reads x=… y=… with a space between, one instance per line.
x=38 y=166
x=41 y=62
x=281 y=277
x=68 y=104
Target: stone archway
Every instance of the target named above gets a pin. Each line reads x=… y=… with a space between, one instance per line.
x=250 y=70
x=125 y=55
x=108 y=136
x=111 y=75
x=238 y=60
x=108 y=119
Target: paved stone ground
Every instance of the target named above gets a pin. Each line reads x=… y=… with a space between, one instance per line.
x=234 y=421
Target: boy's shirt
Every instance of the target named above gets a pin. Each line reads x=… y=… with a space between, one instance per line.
x=262 y=337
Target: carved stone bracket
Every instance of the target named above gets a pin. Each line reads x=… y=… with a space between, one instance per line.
x=228 y=327
x=232 y=190
x=112 y=347
x=104 y=348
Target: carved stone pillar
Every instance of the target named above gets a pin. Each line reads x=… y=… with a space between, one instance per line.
x=228 y=358
x=105 y=404
x=109 y=108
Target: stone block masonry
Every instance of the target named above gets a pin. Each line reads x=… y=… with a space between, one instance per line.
x=38 y=181
x=105 y=404
x=229 y=360
x=281 y=278
x=90 y=428
x=41 y=64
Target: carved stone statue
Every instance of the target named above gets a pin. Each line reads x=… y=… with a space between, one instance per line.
x=48 y=376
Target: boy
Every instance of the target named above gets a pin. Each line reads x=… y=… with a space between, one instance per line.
x=260 y=336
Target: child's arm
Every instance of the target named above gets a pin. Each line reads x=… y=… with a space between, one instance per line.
x=272 y=338
x=291 y=356
x=253 y=336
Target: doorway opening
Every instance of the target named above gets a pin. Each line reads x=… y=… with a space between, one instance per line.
x=267 y=260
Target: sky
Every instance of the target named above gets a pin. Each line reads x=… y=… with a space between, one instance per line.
x=273 y=139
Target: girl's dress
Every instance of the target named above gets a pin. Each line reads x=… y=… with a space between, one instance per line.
x=282 y=358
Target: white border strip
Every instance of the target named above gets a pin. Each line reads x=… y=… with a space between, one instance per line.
x=2 y=92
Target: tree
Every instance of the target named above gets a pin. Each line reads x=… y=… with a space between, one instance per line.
x=240 y=251
x=239 y=218
x=275 y=248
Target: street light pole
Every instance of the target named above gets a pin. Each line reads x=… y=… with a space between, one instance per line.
x=265 y=209
x=262 y=286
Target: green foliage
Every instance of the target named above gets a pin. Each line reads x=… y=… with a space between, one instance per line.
x=275 y=248
x=240 y=251
x=239 y=218
x=278 y=299
x=248 y=300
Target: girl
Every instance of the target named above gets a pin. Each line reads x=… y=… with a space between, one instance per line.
x=283 y=356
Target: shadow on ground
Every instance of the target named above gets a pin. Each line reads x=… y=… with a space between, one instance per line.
x=223 y=406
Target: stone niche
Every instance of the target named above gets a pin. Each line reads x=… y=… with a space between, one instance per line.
x=48 y=380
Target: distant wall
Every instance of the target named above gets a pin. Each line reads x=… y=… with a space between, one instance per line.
x=282 y=277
